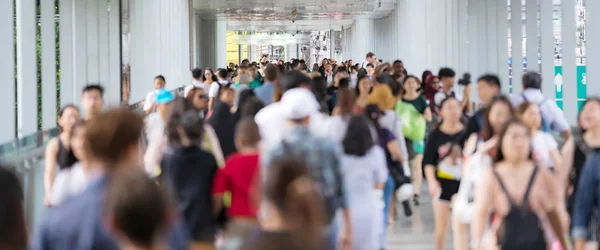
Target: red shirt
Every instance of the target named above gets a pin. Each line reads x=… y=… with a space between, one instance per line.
x=238 y=177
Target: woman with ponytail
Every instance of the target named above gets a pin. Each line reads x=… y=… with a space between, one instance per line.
x=296 y=214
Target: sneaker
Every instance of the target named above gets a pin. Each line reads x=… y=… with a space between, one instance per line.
x=416 y=199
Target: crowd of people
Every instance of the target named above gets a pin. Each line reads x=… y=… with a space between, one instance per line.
x=272 y=155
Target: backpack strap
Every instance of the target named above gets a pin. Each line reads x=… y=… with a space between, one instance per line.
x=510 y=200
x=526 y=196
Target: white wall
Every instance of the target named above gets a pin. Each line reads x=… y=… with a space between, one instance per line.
x=159 y=45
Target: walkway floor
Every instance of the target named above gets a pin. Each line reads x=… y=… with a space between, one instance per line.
x=416 y=232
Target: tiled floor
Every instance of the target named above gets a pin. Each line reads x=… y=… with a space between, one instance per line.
x=416 y=232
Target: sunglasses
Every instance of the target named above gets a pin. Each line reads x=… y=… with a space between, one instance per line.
x=201 y=96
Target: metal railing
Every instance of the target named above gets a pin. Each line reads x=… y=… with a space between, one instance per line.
x=25 y=156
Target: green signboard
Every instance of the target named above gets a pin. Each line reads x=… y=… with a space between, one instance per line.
x=581 y=85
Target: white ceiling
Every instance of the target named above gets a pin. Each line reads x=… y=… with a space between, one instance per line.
x=277 y=15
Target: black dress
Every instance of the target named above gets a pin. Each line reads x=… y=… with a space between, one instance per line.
x=65 y=157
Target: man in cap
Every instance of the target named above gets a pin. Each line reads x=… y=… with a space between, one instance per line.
x=321 y=155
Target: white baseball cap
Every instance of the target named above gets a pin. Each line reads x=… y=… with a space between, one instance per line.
x=298 y=103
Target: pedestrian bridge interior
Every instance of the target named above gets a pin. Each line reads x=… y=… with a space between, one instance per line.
x=63 y=45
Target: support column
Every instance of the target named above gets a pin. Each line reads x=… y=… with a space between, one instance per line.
x=48 y=64
x=502 y=33
x=114 y=54
x=593 y=51
x=517 y=43
x=80 y=56
x=7 y=72
x=221 y=44
x=532 y=37
x=363 y=43
x=547 y=49
x=493 y=40
x=26 y=67
x=569 y=88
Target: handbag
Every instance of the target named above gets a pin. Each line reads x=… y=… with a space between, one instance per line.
x=413 y=123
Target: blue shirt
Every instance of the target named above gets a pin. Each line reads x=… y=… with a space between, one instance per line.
x=587 y=197
x=265 y=92
x=77 y=224
x=551 y=113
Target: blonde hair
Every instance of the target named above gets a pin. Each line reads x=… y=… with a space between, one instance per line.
x=382 y=97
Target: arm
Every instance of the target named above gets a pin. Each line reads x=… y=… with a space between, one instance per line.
x=430 y=158
x=214 y=144
x=220 y=186
x=427 y=115
x=483 y=200
x=211 y=102
x=394 y=150
x=584 y=201
x=568 y=154
x=51 y=162
x=381 y=171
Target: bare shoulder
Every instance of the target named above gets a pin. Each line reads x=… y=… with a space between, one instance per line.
x=52 y=145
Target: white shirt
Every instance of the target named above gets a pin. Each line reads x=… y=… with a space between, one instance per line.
x=392 y=122
x=552 y=114
x=195 y=84
x=273 y=126
x=542 y=144
x=153 y=124
x=214 y=88
x=150 y=99
x=353 y=80
x=68 y=183
x=337 y=127
x=441 y=96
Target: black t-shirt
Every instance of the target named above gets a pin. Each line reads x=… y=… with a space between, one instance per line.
x=419 y=103
x=188 y=172
x=474 y=125
x=444 y=152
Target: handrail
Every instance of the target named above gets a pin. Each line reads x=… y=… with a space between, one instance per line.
x=33 y=145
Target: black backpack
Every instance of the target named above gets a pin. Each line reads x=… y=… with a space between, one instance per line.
x=522 y=227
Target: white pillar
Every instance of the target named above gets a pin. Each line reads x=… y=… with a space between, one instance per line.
x=7 y=73
x=363 y=42
x=114 y=54
x=103 y=47
x=67 y=90
x=48 y=64
x=517 y=44
x=26 y=67
x=221 y=43
x=463 y=35
x=93 y=55
x=569 y=88
x=547 y=49
x=80 y=53
x=502 y=35
x=532 y=35
x=493 y=41
x=593 y=51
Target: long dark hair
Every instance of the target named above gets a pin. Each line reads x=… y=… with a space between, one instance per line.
x=289 y=188
x=61 y=113
x=589 y=100
x=345 y=102
x=358 y=139
x=176 y=110
x=488 y=131
x=514 y=122
x=357 y=87
x=373 y=113
x=13 y=235
x=214 y=77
